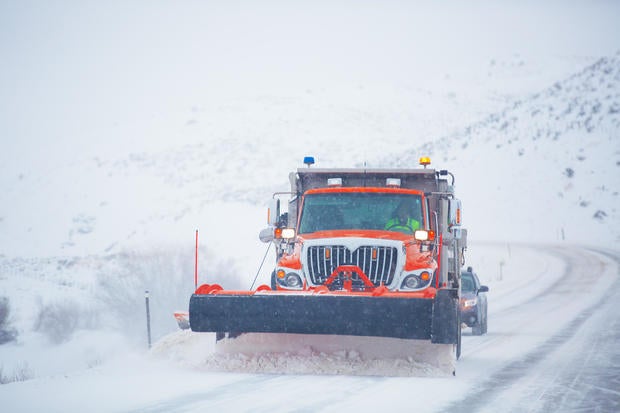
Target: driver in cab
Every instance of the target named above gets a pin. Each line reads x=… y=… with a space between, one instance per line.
x=402 y=221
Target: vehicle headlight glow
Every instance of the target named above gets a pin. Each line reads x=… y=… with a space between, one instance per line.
x=470 y=303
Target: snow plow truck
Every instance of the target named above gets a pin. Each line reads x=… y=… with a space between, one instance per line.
x=359 y=252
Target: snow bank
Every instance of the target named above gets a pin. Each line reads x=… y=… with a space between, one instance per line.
x=305 y=354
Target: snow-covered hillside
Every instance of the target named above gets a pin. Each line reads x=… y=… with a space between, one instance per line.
x=126 y=127
x=556 y=146
x=545 y=167
x=98 y=156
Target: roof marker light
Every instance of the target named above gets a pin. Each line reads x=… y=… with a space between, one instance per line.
x=309 y=160
x=425 y=161
x=392 y=182
x=334 y=181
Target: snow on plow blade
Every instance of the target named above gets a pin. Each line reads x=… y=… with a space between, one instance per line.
x=312 y=314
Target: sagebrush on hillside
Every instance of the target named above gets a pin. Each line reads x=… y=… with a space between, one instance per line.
x=7 y=333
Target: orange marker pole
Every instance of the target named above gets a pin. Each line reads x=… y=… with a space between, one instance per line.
x=196 y=263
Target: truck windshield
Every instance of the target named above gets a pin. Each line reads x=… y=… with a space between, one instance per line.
x=379 y=211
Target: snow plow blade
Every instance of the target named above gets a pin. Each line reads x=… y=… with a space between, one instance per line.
x=405 y=318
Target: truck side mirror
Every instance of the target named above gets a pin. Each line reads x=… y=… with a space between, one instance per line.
x=454 y=217
x=266 y=235
x=273 y=212
x=483 y=289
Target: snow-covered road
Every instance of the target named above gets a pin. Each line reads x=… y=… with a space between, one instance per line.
x=558 y=350
x=129 y=125
x=551 y=346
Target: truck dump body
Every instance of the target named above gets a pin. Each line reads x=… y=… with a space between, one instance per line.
x=419 y=179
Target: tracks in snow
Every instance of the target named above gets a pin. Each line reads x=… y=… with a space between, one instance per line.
x=578 y=365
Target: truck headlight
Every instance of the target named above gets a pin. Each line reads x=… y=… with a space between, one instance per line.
x=288 y=279
x=416 y=280
x=292 y=280
x=411 y=282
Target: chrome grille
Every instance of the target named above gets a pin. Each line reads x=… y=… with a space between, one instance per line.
x=380 y=269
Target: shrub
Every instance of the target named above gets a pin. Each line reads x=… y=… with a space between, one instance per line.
x=58 y=320
x=166 y=274
x=7 y=333
x=22 y=372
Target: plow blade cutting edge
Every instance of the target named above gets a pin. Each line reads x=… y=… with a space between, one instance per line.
x=317 y=314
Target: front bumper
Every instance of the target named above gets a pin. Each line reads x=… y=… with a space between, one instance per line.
x=469 y=316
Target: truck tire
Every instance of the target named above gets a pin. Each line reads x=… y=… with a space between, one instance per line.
x=273 y=280
x=479 y=328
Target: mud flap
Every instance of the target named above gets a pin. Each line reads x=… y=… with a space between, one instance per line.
x=408 y=318
x=445 y=324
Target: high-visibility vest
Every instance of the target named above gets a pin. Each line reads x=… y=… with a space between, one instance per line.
x=409 y=227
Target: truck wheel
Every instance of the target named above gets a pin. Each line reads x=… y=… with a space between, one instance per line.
x=273 y=280
x=478 y=328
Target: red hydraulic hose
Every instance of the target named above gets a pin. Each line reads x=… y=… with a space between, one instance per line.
x=439 y=261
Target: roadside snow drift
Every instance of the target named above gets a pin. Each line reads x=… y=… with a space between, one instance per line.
x=303 y=354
